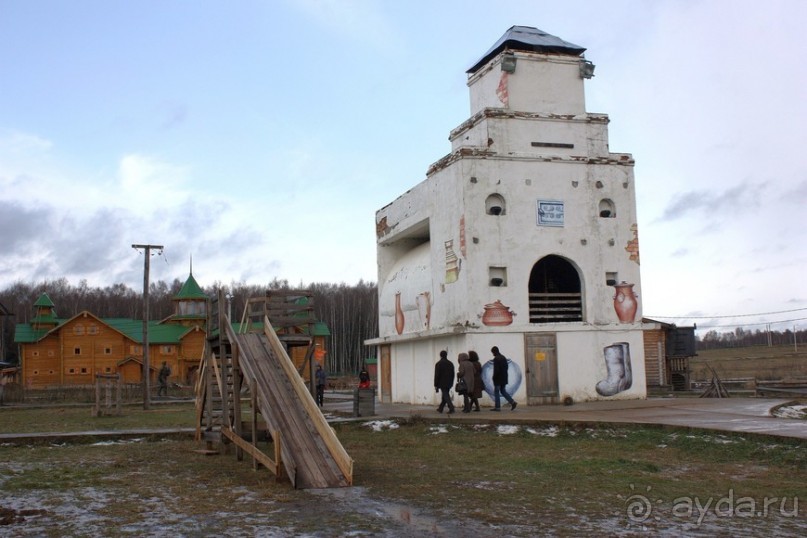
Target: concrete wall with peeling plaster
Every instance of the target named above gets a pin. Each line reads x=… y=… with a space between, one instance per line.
x=529 y=138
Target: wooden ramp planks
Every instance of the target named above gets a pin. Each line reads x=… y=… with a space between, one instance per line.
x=312 y=454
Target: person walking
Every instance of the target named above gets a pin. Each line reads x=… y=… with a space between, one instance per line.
x=162 y=378
x=500 y=380
x=466 y=373
x=322 y=379
x=479 y=385
x=443 y=381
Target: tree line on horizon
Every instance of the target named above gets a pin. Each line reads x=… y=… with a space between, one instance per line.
x=740 y=337
x=349 y=311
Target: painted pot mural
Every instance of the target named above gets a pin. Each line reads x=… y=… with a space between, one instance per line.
x=625 y=303
x=514 y=377
x=619 y=375
x=497 y=314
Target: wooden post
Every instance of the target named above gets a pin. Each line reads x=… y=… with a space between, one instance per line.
x=107 y=380
x=146 y=365
x=96 y=410
x=278 y=457
x=235 y=371
x=254 y=403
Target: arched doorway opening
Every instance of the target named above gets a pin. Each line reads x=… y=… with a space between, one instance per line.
x=555 y=291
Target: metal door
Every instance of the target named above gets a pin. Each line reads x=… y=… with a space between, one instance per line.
x=541 y=364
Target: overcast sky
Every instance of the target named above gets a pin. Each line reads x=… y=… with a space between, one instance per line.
x=260 y=137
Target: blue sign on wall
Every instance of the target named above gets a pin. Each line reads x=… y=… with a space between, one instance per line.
x=550 y=213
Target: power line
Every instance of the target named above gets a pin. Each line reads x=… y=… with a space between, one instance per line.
x=750 y=324
x=734 y=316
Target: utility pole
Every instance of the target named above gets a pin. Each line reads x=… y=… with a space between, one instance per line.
x=146 y=366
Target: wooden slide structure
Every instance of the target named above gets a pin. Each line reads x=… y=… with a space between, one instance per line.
x=255 y=362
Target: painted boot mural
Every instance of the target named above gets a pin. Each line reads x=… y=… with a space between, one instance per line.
x=617 y=362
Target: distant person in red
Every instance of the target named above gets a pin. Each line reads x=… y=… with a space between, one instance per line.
x=364 y=378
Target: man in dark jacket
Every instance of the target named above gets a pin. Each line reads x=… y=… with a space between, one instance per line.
x=443 y=381
x=500 y=380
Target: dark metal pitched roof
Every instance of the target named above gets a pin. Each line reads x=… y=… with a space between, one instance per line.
x=530 y=39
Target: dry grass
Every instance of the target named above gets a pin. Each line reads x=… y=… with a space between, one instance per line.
x=420 y=478
x=761 y=362
x=78 y=418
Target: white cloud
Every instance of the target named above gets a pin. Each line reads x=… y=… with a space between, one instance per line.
x=151 y=182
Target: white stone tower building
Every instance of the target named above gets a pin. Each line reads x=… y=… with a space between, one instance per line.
x=523 y=237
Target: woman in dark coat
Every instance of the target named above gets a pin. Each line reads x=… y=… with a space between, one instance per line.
x=466 y=373
x=476 y=393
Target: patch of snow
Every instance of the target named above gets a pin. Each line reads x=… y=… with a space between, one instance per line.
x=551 y=431
x=507 y=429
x=381 y=425
x=118 y=442
x=436 y=430
x=791 y=411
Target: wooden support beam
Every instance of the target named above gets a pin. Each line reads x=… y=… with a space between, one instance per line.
x=253 y=389
x=275 y=466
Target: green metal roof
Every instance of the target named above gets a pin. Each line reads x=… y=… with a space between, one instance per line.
x=45 y=319
x=44 y=301
x=131 y=328
x=190 y=290
x=26 y=334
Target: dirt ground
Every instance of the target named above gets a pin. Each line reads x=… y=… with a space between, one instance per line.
x=165 y=487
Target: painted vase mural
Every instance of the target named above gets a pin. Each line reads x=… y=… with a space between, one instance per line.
x=625 y=302
x=452 y=263
x=400 y=321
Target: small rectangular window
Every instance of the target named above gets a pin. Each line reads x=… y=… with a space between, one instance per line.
x=497 y=276
x=77 y=351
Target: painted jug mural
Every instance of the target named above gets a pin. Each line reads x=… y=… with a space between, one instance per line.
x=617 y=363
x=625 y=303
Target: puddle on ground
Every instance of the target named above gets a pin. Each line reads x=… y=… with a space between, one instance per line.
x=414 y=520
